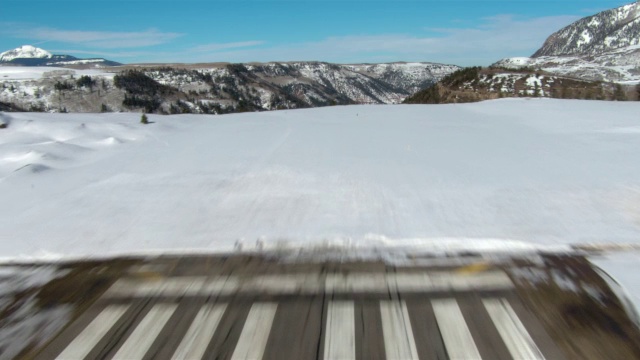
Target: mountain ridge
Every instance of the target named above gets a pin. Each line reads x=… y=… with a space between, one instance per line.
x=28 y=55
x=593 y=35
x=219 y=88
x=25 y=52
x=601 y=47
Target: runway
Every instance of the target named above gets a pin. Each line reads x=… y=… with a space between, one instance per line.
x=261 y=306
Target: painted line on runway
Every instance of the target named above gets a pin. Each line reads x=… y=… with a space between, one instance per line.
x=399 y=342
x=511 y=329
x=80 y=347
x=141 y=339
x=339 y=331
x=299 y=284
x=195 y=341
x=173 y=286
x=340 y=338
x=454 y=330
x=255 y=333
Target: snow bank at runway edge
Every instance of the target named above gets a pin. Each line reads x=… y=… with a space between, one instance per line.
x=372 y=247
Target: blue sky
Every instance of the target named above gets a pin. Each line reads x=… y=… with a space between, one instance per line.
x=462 y=32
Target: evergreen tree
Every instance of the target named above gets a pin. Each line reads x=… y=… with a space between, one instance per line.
x=588 y=94
x=536 y=90
x=600 y=92
x=61 y=86
x=565 y=92
x=619 y=94
x=144 y=119
x=85 y=81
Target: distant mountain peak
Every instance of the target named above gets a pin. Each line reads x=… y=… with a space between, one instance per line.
x=25 y=52
x=603 y=47
x=28 y=55
x=603 y=32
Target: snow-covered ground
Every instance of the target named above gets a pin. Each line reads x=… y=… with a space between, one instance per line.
x=619 y=66
x=38 y=72
x=535 y=172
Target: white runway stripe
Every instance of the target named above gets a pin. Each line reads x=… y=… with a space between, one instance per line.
x=455 y=333
x=340 y=338
x=200 y=332
x=138 y=343
x=511 y=329
x=255 y=332
x=399 y=343
x=175 y=286
x=291 y=284
x=80 y=347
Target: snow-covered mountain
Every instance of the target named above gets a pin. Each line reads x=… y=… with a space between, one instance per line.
x=206 y=88
x=409 y=76
x=28 y=55
x=605 y=46
x=215 y=88
x=320 y=82
x=594 y=35
x=25 y=52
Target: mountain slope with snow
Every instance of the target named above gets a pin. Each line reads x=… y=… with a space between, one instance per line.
x=411 y=77
x=606 y=31
x=603 y=47
x=218 y=88
x=25 y=52
x=621 y=66
x=28 y=55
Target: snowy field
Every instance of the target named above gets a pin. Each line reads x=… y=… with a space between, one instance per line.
x=516 y=173
x=38 y=72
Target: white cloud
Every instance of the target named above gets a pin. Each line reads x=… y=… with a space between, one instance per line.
x=225 y=46
x=95 y=39
x=108 y=54
x=495 y=38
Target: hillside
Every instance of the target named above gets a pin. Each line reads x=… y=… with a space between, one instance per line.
x=214 y=89
x=603 y=47
x=606 y=31
x=477 y=84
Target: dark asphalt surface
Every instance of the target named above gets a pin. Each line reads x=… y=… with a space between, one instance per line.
x=245 y=307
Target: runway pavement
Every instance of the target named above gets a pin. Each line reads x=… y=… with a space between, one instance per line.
x=255 y=308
